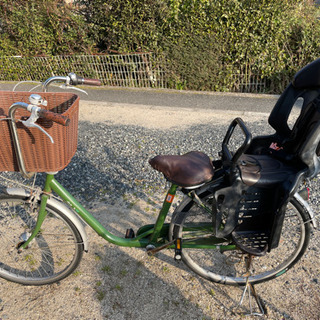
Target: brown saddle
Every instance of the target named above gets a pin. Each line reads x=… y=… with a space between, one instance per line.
x=189 y=170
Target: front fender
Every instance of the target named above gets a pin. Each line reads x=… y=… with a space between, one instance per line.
x=60 y=206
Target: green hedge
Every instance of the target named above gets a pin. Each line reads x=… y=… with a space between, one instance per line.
x=206 y=43
x=201 y=44
x=38 y=27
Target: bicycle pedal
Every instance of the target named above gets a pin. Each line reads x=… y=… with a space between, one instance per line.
x=129 y=234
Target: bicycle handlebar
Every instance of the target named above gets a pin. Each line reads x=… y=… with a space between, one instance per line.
x=55 y=117
x=71 y=79
x=76 y=80
x=37 y=112
x=42 y=113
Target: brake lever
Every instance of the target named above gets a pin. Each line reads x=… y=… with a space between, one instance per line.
x=30 y=122
x=66 y=87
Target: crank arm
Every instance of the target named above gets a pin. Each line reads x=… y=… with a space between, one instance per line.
x=151 y=250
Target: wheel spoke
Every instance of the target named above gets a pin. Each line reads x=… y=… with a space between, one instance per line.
x=53 y=254
x=229 y=266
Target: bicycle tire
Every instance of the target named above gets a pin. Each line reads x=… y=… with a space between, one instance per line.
x=225 y=267
x=51 y=256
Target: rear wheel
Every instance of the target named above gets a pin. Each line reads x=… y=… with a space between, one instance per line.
x=51 y=256
x=229 y=267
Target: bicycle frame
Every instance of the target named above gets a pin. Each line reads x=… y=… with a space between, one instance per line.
x=155 y=235
x=149 y=236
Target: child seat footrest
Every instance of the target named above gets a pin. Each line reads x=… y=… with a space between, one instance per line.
x=252 y=242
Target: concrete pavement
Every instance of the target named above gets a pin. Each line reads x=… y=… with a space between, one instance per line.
x=172 y=98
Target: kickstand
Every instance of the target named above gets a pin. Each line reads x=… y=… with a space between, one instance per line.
x=251 y=293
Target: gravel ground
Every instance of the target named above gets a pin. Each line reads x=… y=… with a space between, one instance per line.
x=121 y=189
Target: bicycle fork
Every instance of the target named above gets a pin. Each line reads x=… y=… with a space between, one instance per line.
x=41 y=216
x=34 y=198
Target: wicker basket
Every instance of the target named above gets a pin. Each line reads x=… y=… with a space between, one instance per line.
x=39 y=154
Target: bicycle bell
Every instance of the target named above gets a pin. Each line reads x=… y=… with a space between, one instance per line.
x=37 y=100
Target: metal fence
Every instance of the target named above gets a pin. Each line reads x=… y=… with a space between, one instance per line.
x=131 y=70
x=249 y=82
x=140 y=70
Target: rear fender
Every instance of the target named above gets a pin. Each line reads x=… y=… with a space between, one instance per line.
x=307 y=208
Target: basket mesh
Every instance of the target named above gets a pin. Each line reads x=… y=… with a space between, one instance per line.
x=39 y=154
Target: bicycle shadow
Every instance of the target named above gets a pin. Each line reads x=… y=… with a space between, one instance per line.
x=135 y=286
x=217 y=301
x=228 y=298
x=165 y=289
x=292 y=296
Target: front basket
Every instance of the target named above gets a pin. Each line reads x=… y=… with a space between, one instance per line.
x=39 y=154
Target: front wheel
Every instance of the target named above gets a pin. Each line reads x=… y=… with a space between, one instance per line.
x=51 y=256
x=226 y=264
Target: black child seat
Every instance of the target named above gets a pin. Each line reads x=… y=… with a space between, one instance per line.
x=272 y=168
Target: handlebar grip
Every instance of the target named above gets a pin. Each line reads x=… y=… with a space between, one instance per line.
x=55 y=117
x=76 y=80
x=91 y=82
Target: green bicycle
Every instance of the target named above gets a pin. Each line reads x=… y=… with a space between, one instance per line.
x=226 y=229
